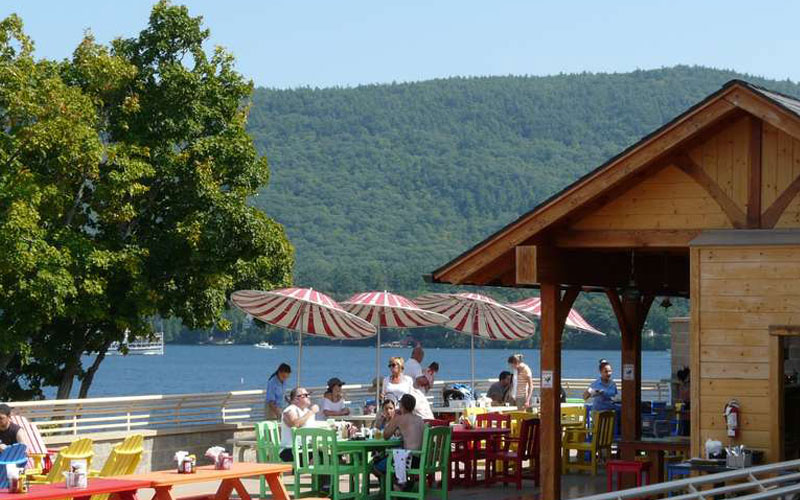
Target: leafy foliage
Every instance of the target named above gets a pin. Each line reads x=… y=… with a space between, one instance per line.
x=380 y=184
x=123 y=195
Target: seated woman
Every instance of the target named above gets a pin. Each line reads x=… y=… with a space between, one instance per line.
x=333 y=400
x=299 y=413
x=386 y=414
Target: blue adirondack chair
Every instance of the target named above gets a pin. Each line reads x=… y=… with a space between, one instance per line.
x=16 y=454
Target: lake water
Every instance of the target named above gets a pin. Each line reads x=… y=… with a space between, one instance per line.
x=192 y=369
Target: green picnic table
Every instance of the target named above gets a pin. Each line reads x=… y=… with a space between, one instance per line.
x=367 y=447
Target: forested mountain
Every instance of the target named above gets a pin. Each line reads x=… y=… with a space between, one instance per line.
x=379 y=184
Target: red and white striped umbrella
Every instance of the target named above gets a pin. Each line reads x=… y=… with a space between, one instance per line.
x=305 y=311
x=478 y=316
x=388 y=310
x=533 y=306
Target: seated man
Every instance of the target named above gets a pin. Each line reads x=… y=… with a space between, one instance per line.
x=410 y=426
x=300 y=413
x=500 y=392
x=10 y=433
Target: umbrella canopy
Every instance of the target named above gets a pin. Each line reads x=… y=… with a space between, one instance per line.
x=533 y=306
x=388 y=310
x=305 y=311
x=478 y=316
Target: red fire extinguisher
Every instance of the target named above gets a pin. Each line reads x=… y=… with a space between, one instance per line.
x=731 y=414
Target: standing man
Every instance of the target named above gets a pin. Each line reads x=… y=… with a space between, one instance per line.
x=524 y=381
x=413 y=367
x=276 y=388
x=10 y=433
x=603 y=390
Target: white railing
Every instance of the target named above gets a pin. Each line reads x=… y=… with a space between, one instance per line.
x=779 y=480
x=86 y=416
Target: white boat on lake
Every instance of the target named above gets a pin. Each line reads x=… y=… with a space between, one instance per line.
x=264 y=345
x=148 y=346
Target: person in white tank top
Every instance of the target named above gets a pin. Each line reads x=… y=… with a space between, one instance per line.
x=299 y=413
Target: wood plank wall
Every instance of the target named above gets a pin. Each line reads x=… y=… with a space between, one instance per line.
x=740 y=292
x=780 y=166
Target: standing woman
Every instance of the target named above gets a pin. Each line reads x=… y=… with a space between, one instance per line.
x=276 y=388
x=397 y=383
x=333 y=400
x=524 y=381
x=603 y=390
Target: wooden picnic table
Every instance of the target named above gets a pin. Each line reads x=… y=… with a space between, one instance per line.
x=124 y=489
x=230 y=480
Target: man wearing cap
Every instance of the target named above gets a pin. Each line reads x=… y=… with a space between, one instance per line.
x=333 y=400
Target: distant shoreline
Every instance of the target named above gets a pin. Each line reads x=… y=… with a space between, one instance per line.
x=305 y=345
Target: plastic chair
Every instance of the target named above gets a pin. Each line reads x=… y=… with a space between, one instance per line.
x=39 y=456
x=437 y=422
x=16 y=454
x=123 y=460
x=474 y=411
x=527 y=449
x=77 y=450
x=434 y=458
x=601 y=439
x=488 y=421
x=316 y=453
x=268 y=448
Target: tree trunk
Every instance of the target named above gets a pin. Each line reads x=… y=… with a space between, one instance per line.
x=71 y=368
x=89 y=377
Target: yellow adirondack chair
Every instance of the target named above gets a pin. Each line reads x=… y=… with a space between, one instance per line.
x=468 y=412
x=77 y=450
x=124 y=459
x=602 y=437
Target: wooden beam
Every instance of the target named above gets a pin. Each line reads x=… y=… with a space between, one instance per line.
x=754 y=174
x=761 y=107
x=595 y=185
x=554 y=313
x=526 y=265
x=696 y=172
x=637 y=238
x=694 y=350
x=772 y=214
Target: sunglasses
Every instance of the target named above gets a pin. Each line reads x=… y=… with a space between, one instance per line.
x=303 y=395
x=392 y=365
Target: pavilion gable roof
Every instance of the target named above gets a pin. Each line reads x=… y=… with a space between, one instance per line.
x=735 y=98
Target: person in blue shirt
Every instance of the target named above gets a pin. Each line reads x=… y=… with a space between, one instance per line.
x=276 y=388
x=603 y=390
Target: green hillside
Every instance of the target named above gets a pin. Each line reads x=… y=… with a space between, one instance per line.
x=379 y=184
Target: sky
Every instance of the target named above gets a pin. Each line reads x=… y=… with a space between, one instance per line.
x=324 y=43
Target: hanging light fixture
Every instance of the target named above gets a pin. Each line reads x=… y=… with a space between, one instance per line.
x=631 y=290
x=666 y=303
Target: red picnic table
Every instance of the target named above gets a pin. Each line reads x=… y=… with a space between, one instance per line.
x=230 y=480
x=124 y=489
x=471 y=439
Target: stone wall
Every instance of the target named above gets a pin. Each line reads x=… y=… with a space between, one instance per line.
x=160 y=446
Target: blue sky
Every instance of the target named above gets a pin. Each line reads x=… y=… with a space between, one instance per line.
x=321 y=43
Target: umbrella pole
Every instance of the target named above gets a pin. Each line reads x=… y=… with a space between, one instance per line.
x=472 y=361
x=378 y=372
x=300 y=344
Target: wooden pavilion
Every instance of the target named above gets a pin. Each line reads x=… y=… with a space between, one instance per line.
x=705 y=207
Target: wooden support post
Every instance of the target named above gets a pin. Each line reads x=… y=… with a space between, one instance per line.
x=631 y=312
x=554 y=313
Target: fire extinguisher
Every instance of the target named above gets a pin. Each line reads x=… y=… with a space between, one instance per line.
x=731 y=414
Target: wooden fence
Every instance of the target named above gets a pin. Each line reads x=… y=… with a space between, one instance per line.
x=153 y=412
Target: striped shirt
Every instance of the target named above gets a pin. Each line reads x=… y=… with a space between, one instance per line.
x=524 y=380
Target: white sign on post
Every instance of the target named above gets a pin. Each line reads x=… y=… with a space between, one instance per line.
x=547 y=379
x=628 y=372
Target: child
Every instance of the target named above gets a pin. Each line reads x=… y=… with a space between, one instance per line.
x=386 y=414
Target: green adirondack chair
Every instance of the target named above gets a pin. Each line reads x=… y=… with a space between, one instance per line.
x=268 y=447
x=433 y=457
x=316 y=453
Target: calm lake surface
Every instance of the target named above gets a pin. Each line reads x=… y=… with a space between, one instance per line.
x=192 y=369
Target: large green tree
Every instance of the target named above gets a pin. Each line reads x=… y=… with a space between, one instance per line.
x=125 y=176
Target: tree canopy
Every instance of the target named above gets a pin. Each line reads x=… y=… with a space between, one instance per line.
x=125 y=176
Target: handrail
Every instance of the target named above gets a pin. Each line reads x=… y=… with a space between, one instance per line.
x=765 y=481
x=160 y=411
